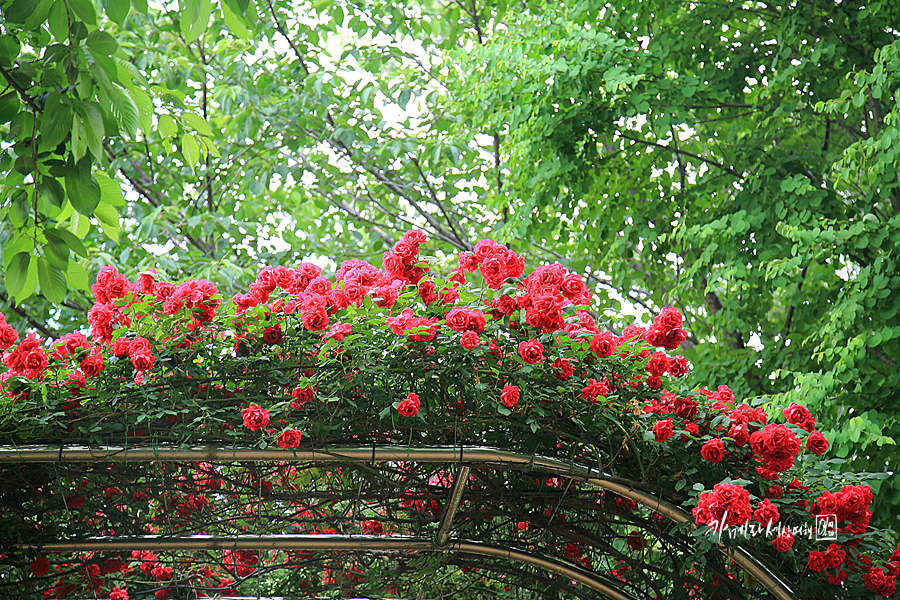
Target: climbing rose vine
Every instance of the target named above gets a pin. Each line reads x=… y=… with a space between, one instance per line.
x=486 y=354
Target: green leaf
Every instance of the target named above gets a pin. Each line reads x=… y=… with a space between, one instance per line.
x=85 y=10
x=58 y=21
x=117 y=10
x=56 y=251
x=20 y=10
x=9 y=50
x=78 y=277
x=109 y=220
x=190 y=149
x=17 y=273
x=56 y=122
x=9 y=107
x=194 y=18
x=110 y=191
x=107 y=214
x=145 y=110
x=127 y=110
x=69 y=239
x=234 y=22
x=167 y=126
x=31 y=283
x=51 y=189
x=198 y=123
x=102 y=42
x=94 y=120
x=52 y=280
x=83 y=190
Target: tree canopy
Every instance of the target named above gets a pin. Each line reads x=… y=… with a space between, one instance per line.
x=737 y=160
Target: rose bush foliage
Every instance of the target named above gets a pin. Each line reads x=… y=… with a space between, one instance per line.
x=486 y=355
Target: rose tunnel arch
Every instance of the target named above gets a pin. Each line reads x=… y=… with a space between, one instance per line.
x=462 y=458
x=397 y=433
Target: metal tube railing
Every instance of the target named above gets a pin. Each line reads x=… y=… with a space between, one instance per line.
x=463 y=455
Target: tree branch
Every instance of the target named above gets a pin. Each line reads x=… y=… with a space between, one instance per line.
x=31 y=320
x=22 y=92
x=675 y=150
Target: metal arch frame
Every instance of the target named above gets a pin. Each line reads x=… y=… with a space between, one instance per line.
x=461 y=455
x=331 y=543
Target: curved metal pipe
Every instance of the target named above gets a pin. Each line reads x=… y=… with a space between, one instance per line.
x=331 y=543
x=481 y=455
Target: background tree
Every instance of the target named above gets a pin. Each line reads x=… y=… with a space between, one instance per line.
x=737 y=160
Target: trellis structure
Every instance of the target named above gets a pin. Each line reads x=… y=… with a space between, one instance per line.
x=464 y=459
x=397 y=434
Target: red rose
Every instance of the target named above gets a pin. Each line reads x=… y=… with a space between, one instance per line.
x=509 y=396
x=138 y=345
x=315 y=319
x=255 y=417
x=692 y=429
x=658 y=364
x=458 y=319
x=594 y=389
x=35 y=362
x=505 y=305
x=92 y=365
x=836 y=556
x=493 y=269
x=713 y=450
x=531 y=351
x=663 y=430
x=668 y=319
x=686 y=408
x=407 y=251
x=273 y=336
x=573 y=287
x=8 y=335
x=289 y=438
x=817 y=561
x=740 y=433
x=654 y=382
x=410 y=406
x=725 y=394
x=766 y=514
x=604 y=344
x=874 y=579
x=784 y=541
x=839 y=578
x=800 y=416
x=678 y=366
x=728 y=504
x=41 y=566
x=143 y=362
x=776 y=445
x=774 y=492
x=467 y=261
x=303 y=395
x=428 y=293
x=118 y=594
x=563 y=368
x=470 y=340
x=816 y=443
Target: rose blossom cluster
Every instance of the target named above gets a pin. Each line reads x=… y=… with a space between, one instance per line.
x=28 y=359
x=726 y=505
x=8 y=333
x=496 y=262
x=549 y=289
x=850 y=505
